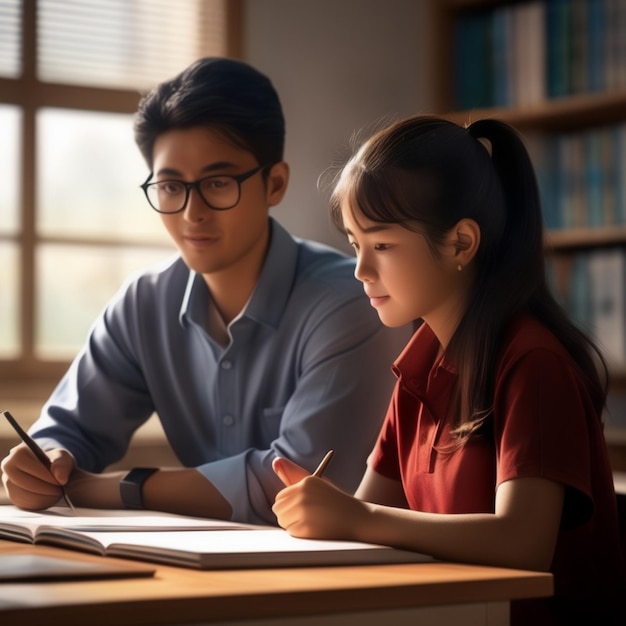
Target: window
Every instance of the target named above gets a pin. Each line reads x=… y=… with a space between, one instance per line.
x=73 y=221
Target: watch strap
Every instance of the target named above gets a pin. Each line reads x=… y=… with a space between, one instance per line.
x=131 y=486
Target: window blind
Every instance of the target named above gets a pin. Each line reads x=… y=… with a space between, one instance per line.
x=10 y=38
x=122 y=44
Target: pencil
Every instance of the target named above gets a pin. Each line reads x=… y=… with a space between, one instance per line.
x=323 y=463
x=36 y=450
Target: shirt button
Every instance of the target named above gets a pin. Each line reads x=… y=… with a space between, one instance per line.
x=226 y=365
x=228 y=420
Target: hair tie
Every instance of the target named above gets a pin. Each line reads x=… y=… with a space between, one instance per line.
x=485 y=142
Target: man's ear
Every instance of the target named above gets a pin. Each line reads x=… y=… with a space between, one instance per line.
x=463 y=241
x=276 y=183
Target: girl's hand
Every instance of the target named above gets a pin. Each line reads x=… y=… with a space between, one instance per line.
x=313 y=508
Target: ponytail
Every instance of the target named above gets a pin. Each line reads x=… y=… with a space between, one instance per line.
x=512 y=279
x=522 y=240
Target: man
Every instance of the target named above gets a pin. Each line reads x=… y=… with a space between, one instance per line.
x=249 y=345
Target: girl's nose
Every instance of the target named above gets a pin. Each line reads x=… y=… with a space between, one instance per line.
x=363 y=270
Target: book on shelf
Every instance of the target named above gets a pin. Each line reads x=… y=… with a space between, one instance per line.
x=186 y=541
x=618 y=172
x=590 y=286
x=607 y=278
x=581 y=177
x=516 y=54
x=559 y=35
x=473 y=76
x=500 y=55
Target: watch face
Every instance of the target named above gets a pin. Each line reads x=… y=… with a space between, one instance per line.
x=131 y=486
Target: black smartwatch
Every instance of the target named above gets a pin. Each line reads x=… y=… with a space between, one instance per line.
x=131 y=486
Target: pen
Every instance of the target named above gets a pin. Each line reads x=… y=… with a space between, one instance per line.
x=37 y=451
x=323 y=463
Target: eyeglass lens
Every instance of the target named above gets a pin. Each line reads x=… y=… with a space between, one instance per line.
x=170 y=196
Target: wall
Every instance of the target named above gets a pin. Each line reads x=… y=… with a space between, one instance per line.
x=339 y=66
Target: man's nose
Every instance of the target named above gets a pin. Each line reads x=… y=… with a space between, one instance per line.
x=196 y=209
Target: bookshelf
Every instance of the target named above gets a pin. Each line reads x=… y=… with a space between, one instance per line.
x=559 y=79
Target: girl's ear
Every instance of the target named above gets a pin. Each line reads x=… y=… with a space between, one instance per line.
x=462 y=243
x=276 y=183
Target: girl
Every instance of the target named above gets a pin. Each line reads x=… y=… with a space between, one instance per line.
x=492 y=450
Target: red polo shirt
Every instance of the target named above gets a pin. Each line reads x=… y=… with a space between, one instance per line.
x=545 y=424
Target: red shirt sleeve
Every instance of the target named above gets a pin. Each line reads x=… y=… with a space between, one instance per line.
x=541 y=405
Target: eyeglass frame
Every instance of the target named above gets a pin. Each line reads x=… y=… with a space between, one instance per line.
x=195 y=184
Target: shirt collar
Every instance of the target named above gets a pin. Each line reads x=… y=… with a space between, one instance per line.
x=417 y=363
x=271 y=294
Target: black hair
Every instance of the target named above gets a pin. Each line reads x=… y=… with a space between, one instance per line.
x=223 y=94
x=426 y=174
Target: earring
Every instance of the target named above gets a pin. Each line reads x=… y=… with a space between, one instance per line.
x=459 y=268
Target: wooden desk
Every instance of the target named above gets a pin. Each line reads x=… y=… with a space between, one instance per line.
x=426 y=593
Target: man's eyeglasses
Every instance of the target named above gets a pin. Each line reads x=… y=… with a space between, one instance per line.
x=220 y=193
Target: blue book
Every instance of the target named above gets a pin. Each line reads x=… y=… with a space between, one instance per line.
x=611 y=43
x=544 y=154
x=578 y=301
x=559 y=42
x=472 y=43
x=619 y=152
x=595 y=45
x=567 y=181
x=609 y=176
x=579 y=216
x=577 y=66
x=568 y=281
x=594 y=178
x=500 y=56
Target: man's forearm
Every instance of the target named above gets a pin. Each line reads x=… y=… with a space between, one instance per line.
x=183 y=491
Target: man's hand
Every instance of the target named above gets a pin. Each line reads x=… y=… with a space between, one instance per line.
x=29 y=484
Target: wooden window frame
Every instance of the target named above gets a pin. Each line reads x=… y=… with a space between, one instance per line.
x=27 y=375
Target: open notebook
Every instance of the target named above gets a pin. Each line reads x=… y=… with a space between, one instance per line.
x=186 y=541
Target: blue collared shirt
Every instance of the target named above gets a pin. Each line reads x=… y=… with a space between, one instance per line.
x=307 y=368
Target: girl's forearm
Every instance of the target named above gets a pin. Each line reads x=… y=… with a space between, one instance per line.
x=521 y=533
x=474 y=538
